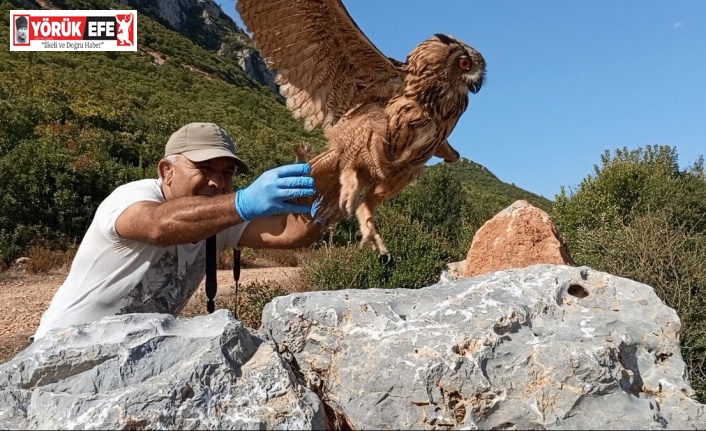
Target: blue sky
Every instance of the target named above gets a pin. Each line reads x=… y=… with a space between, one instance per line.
x=566 y=80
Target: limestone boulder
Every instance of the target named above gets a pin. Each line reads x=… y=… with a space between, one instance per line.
x=152 y=371
x=543 y=347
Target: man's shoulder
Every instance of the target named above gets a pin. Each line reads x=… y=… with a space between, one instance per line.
x=147 y=183
x=124 y=196
x=149 y=186
x=132 y=192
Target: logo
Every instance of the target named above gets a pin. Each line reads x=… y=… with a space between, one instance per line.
x=73 y=30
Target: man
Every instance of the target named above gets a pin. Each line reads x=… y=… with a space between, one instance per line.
x=21 y=26
x=145 y=248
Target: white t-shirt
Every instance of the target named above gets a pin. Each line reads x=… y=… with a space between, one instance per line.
x=114 y=275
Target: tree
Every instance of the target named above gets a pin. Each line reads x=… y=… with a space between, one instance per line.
x=436 y=201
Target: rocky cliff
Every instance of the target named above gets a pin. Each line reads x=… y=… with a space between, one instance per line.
x=204 y=22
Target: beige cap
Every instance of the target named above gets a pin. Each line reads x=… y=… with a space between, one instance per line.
x=203 y=141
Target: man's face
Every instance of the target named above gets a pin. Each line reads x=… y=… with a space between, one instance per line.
x=207 y=178
x=22 y=33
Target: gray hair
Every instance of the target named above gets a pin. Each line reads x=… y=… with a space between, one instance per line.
x=172 y=159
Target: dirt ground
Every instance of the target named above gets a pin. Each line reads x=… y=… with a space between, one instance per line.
x=25 y=297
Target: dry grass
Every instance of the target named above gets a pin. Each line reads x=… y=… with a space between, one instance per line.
x=250 y=258
x=42 y=260
x=258 y=286
x=252 y=299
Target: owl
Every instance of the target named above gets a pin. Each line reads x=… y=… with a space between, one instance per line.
x=383 y=119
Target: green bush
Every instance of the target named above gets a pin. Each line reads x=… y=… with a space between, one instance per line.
x=418 y=257
x=49 y=192
x=631 y=183
x=254 y=298
x=436 y=200
x=641 y=217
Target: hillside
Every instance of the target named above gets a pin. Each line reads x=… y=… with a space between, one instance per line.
x=74 y=125
x=482 y=183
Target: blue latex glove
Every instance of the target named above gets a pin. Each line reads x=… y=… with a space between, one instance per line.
x=268 y=194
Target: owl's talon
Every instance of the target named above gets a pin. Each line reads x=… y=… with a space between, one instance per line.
x=385 y=259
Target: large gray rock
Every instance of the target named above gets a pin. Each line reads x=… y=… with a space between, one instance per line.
x=256 y=67
x=215 y=30
x=545 y=347
x=177 y=13
x=151 y=371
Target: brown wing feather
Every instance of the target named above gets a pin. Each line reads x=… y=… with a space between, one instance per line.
x=325 y=64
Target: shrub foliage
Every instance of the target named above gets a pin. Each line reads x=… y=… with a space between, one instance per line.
x=642 y=217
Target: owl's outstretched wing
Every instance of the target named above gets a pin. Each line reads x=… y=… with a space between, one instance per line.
x=325 y=64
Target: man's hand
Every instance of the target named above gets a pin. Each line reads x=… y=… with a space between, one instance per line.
x=268 y=194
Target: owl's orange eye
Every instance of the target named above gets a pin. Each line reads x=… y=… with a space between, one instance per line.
x=465 y=63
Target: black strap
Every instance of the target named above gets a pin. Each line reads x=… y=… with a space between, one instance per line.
x=236 y=277
x=211 y=273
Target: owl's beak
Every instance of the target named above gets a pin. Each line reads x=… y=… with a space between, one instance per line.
x=474 y=80
x=475 y=85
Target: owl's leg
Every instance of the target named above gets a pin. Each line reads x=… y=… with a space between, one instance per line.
x=447 y=152
x=368 y=229
x=351 y=190
x=302 y=152
x=375 y=196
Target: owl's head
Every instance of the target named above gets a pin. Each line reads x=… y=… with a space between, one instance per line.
x=448 y=59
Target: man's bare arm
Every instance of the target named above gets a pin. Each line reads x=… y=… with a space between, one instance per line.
x=179 y=221
x=281 y=231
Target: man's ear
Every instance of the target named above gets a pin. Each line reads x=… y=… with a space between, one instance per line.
x=166 y=170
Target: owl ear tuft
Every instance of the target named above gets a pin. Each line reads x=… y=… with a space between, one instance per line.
x=445 y=39
x=395 y=62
